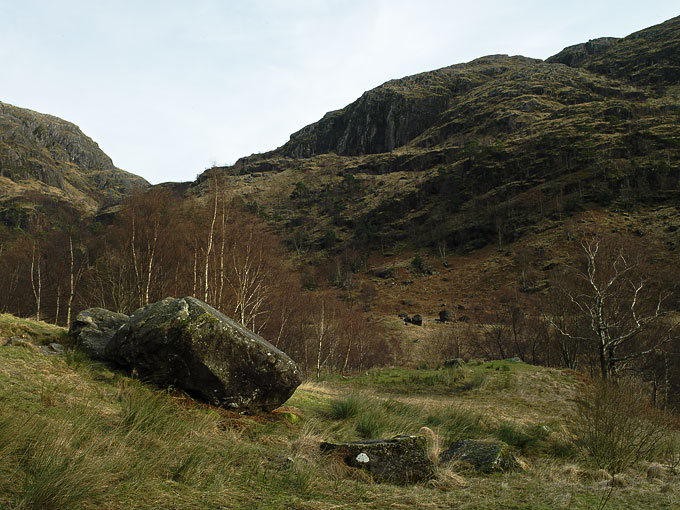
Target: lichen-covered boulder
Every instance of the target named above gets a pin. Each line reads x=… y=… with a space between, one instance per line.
x=484 y=456
x=400 y=460
x=94 y=328
x=188 y=344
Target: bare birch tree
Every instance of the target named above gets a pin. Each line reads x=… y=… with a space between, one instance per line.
x=616 y=304
x=249 y=282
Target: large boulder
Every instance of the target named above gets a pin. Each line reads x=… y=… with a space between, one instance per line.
x=484 y=456
x=187 y=344
x=400 y=460
x=94 y=328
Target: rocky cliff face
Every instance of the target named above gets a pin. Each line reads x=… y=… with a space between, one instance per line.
x=397 y=112
x=47 y=156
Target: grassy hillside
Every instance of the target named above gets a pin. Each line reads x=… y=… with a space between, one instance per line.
x=76 y=434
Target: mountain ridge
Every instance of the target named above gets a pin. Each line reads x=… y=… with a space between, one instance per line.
x=481 y=151
x=44 y=158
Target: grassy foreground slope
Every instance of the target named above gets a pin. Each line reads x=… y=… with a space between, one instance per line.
x=76 y=434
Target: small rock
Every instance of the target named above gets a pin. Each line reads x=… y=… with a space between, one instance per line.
x=52 y=349
x=15 y=341
x=446 y=316
x=656 y=472
x=417 y=320
x=385 y=273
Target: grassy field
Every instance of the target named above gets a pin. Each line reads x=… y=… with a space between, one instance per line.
x=77 y=434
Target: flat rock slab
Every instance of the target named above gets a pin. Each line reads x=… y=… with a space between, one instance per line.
x=188 y=344
x=94 y=328
x=484 y=456
x=400 y=460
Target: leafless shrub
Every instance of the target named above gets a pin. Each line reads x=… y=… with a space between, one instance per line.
x=616 y=427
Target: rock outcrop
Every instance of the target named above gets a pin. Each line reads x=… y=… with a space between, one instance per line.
x=190 y=345
x=646 y=57
x=400 y=460
x=94 y=328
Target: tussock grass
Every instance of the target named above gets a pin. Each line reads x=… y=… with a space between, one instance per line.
x=345 y=407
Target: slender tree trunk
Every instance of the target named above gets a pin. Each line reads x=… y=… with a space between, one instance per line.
x=320 y=337
x=56 y=314
x=151 y=251
x=195 y=272
x=72 y=286
x=349 y=348
x=222 y=244
x=210 y=241
x=138 y=280
x=36 y=285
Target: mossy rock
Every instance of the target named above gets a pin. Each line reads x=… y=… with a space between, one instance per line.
x=484 y=456
x=400 y=460
x=187 y=344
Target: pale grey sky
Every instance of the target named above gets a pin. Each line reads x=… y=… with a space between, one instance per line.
x=168 y=88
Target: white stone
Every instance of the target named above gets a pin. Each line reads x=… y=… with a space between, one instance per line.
x=363 y=458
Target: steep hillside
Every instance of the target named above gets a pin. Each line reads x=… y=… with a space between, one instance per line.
x=480 y=152
x=47 y=163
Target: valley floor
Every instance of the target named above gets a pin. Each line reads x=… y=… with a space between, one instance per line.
x=77 y=434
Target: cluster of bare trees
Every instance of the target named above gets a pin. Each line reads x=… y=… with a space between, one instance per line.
x=610 y=312
x=162 y=245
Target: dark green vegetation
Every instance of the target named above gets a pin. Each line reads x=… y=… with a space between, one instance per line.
x=75 y=434
x=48 y=167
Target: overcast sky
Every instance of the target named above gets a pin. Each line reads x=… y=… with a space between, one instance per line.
x=169 y=88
